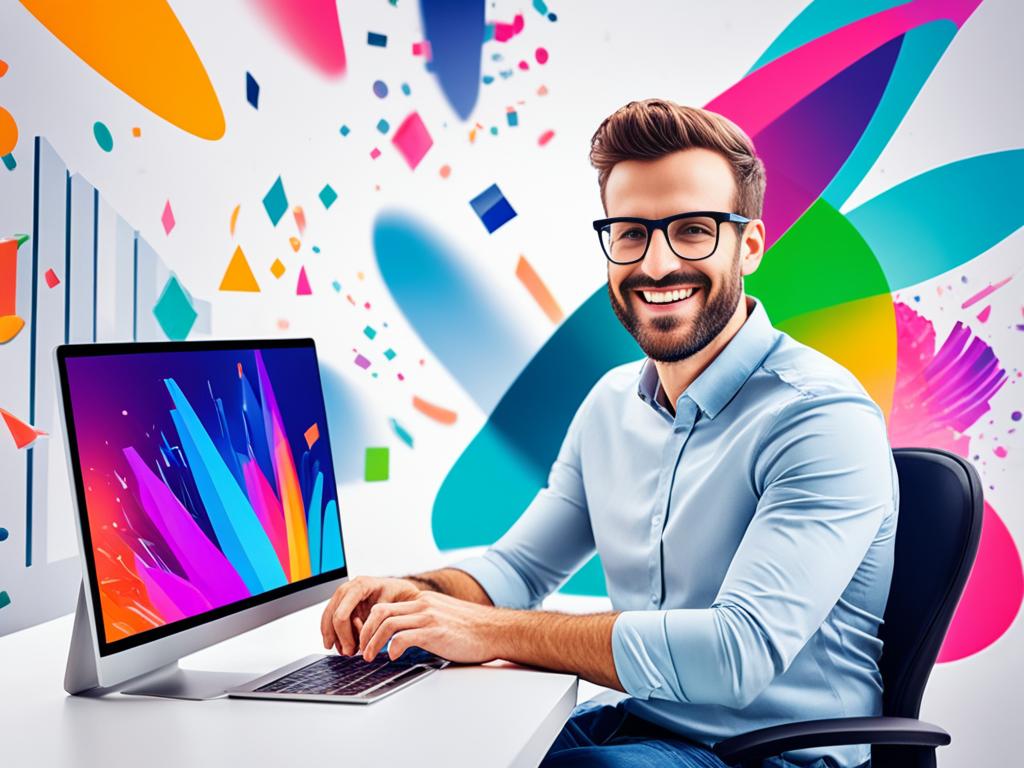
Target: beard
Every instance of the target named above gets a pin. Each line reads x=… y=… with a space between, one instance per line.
x=656 y=337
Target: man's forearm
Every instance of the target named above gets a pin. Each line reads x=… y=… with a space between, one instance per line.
x=452 y=581
x=580 y=644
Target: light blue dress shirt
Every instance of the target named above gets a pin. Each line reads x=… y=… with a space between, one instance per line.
x=747 y=540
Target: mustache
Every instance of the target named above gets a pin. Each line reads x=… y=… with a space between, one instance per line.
x=671 y=280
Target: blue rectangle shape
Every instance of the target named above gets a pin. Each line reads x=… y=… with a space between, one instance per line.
x=377 y=39
x=492 y=208
x=252 y=91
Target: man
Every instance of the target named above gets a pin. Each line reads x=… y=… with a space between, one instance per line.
x=738 y=486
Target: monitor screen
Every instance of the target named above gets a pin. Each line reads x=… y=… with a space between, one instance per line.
x=204 y=479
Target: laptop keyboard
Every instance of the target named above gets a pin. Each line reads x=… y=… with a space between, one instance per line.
x=352 y=676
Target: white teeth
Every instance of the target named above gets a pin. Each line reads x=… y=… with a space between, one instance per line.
x=666 y=297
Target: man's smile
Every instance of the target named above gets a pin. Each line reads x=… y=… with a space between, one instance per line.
x=663 y=300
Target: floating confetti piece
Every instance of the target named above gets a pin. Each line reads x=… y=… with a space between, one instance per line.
x=389 y=353
x=984 y=292
x=4 y=533
x=376 y=39
x=312 y=435
x=344 y=130
x=538 y=290
x=9 y=162
x=24 y=434
x=983 y=315
x=370 y=332
x=542 y=91
x=302 y=287
x=10 y=326
x=275 y=202
x=238 y=276
x=406 y=89
x=445 y=171
x=52 y=281
x=541 y=55
x=512 y=116
x=545 y=137
x=383 y=125
x=234 y=219
x=435 y=412
x=412 y=140
x=380 y=89
x=422 y=49
x=174 y=311
x=295 y=243
x=524 y=65
x=283 y=324
x=167 y=218
x=137 y=132
x=5 y=599
x=336 y=286
x=504 y=32
x=316 y=249
x=492 y=208
x=377 y=464
x=300 y=219
x=402 y=432
x=375 y=153
x=328 y=196
x=102 y=135
x=541 y=7
x=1000 y=451
x=277 y=268
x=362 y=362
x=252 y=90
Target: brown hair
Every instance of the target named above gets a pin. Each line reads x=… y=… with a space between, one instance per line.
x=653 y=128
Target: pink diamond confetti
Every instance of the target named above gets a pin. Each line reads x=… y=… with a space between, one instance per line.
x=167 y=219
x=412 y=139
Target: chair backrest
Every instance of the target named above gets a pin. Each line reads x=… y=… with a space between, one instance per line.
x=937 y=536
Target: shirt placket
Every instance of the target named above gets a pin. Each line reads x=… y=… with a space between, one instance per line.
x=672 y=453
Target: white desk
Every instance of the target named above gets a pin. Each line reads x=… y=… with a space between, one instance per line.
x=496 y=715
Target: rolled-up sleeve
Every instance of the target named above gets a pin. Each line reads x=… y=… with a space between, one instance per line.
x=549 y=541
x=824 y=477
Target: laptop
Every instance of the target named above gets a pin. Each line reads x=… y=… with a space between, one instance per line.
x=207 y=505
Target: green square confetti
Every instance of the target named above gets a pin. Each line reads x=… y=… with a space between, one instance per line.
x=389 y=353
x=376 y=464
x=370 y=332
x=328 y=195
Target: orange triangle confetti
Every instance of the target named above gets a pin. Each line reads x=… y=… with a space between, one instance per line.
x=24 y=434
x=238 y=276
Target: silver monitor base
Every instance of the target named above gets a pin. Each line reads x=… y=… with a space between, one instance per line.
x=173 y=682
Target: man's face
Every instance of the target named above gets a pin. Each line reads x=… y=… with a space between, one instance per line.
x=688 y=180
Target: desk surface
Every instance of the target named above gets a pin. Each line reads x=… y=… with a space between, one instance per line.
x=495 y=715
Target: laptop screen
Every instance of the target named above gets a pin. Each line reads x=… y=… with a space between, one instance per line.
x=204 y=478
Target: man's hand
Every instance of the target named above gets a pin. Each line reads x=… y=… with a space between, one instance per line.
x=454 y=629
x=352 y=603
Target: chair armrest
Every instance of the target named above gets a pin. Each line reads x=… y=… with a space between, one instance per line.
x=769 y=742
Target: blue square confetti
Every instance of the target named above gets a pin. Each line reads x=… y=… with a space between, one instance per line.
x=252 y=90
x=383 y=126
x=328 y=195
x=276 y=202
x=344 y=130
x=377 y=39
x=492 y=208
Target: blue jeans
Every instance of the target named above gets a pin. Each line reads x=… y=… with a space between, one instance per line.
x=608 y=736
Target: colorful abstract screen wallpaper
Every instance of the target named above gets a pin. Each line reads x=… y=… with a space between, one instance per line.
x=207 y=479
x=407 y=182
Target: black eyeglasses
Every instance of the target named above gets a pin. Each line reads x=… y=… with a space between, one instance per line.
x=692 y=236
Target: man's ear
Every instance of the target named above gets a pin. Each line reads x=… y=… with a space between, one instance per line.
x=752 y=246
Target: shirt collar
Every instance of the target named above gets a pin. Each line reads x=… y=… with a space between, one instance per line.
x=721 y=380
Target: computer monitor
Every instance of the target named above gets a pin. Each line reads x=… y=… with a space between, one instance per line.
x=206 y=502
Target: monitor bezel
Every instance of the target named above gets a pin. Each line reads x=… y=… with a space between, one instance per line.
x=198 y=627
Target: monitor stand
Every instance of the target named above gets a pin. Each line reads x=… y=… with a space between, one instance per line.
x=173 y=682
x=170 y=681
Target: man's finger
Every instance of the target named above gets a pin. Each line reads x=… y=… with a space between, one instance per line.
x=389 y=627
x=341 y=619
x=380 y=612
x=325 y=620
x=406 y=639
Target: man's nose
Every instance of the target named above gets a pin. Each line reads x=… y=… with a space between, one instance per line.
x=660 y=260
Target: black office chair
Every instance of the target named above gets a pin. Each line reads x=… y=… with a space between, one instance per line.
x=936 y=540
